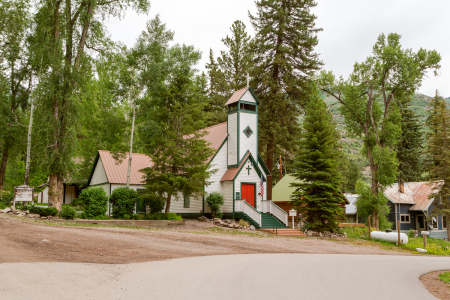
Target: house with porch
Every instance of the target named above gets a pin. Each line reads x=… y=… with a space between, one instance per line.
x=241 y=175
x=410 y=204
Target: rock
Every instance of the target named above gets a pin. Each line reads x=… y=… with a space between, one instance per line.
x=333 y=236
x=13 y=208
x=18 y=212
x=45 y=240
x=217 y=219
x=6 y=210
x=345 y=234
x=236 y=225
x=252 y=227
x=43 y=218
x=230 y=225
x=240 y=227
x=203 y=219
x=421 y=250
x=320 y=234
x=27 y=212
x=228 y=221
x=309 y=233
x=326 y=233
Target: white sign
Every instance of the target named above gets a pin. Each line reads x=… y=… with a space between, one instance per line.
x=23 y=193
x=426 y=232
x=292 y=213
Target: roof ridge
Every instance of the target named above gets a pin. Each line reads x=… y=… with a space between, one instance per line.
x=214 y=125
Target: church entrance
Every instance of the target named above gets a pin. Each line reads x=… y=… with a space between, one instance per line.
x=248 y=193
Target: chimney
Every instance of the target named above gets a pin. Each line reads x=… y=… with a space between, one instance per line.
x=401 y=185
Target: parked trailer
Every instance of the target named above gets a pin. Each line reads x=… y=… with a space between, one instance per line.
x=390 y=236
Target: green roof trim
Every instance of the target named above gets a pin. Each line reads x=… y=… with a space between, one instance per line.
x=93 y=168
x=263 y=165
x=253 y=94
x=254 y=164
x=283 y=190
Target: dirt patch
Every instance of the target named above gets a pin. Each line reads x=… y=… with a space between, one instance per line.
x=435 y=286
x=23 y=240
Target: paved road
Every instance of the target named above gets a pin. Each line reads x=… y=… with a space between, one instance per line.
x=251 y=276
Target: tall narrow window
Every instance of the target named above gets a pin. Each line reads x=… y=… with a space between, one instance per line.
x=444 y=222
x=187 y=201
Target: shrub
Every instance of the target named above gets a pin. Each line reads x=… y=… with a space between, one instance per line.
x=162 y=216
x=411 y=234
x=123 y=201
x=215 y=201
x=445 y=277
x=6 y=199
x=94 y=202
x=43 y=211
x=68 y=212
x=77 y=202
x=154 y=202
x=243 y=223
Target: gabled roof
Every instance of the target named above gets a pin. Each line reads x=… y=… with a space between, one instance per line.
x=283 y=190
x=415 y=194
x=117 y=172
x=231 y=174
x=238 y=95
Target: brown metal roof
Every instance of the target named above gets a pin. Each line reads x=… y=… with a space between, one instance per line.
x=236 y=96
x=422 y=190
x=416 y=193
x=117 y=172
x=231 y=173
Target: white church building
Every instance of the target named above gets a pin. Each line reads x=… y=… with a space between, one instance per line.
x=241 y=170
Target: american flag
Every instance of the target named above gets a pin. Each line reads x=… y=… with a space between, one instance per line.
x=262 y=186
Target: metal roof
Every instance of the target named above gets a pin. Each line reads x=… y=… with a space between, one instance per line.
x=117 y=171
x=236 y=96
x=415 y=193
x=283 y=190
x=231 y=173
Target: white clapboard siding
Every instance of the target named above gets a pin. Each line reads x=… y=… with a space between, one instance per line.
x=105 y=187
x=232 y=139
x=132 y=186
x=227 y=187
x=252 y=178
x=219 y=162
x=99 y=175
x=248 y=97
x=248 y=143
x=177 y=205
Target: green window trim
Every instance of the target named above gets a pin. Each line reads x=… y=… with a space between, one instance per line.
x=248 y=131
x=187 y=201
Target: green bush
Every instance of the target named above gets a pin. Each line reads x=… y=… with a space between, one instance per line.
x=95 y=202
x=445 y=277
x=123 y=201
x=162 y=216
x=6 y=199
x=77 y=203
x=68 y=212
x=43 y=211
x=411 y=234
x=154 y=202
x=215 y=201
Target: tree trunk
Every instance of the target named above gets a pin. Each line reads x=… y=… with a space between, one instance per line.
x=447 y=218
x=60 y=192
x=53 y=190
x=373 y=170
x=3 y=166
x=27 y=164
x=131 y=148
x=168 y=204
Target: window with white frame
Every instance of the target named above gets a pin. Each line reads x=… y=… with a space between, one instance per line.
x=405 y=219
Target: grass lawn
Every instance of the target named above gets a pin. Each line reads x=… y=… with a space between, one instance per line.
x=445 y=277
x=434 y=246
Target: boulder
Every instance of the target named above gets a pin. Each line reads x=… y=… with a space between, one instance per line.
x=13 y=209
x=203 y=219
x=236 y=225
x=252 y=227
x=43 y=218
x=344 y=235
x=230 y=225
x=6 y=210
x=27 y=211
x=320 y=234
x=309 y=233
x=217 y=222
x=228 y=221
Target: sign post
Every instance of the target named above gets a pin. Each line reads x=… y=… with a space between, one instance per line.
x=293 y=213
x=23 y=193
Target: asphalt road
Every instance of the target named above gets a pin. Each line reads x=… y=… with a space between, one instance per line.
x=248 y=276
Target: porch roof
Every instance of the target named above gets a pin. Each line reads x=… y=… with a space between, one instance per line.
x=415 y=194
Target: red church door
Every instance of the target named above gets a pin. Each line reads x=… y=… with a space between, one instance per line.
x=248 y=193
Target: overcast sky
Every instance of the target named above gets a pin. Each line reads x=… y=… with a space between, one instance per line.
x=350 y=28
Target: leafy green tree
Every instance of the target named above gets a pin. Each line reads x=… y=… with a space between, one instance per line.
x=217 y=93
x=318 y=194
x=351 y=172
x=368 y=202
x=171 y=115
x=438 y=139
x=66 y=35
x=409 y=147
x=369 y=102
x=284 y=60
x=15 y=79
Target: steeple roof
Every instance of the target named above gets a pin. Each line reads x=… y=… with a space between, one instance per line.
x=238 y=95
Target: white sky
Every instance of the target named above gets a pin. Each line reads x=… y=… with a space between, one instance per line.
x=350 y=28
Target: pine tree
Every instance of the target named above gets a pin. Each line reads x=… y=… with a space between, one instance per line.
x=318 y=196
x=438 y=149
x=171 y=116
x=217 y=93
x=409 y=148
x=284 y=60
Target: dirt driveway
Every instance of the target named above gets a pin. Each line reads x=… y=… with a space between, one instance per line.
x=28 y=241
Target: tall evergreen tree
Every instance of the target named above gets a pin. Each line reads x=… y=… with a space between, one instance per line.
x=438 y=149
x=217 y=93
x=318 y=195
x=409 y=147
x=284 y=60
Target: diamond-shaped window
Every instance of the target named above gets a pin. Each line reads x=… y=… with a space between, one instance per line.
x=248 y=132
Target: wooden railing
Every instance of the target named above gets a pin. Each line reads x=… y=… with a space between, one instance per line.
x=251 y=212
x=278 y=212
